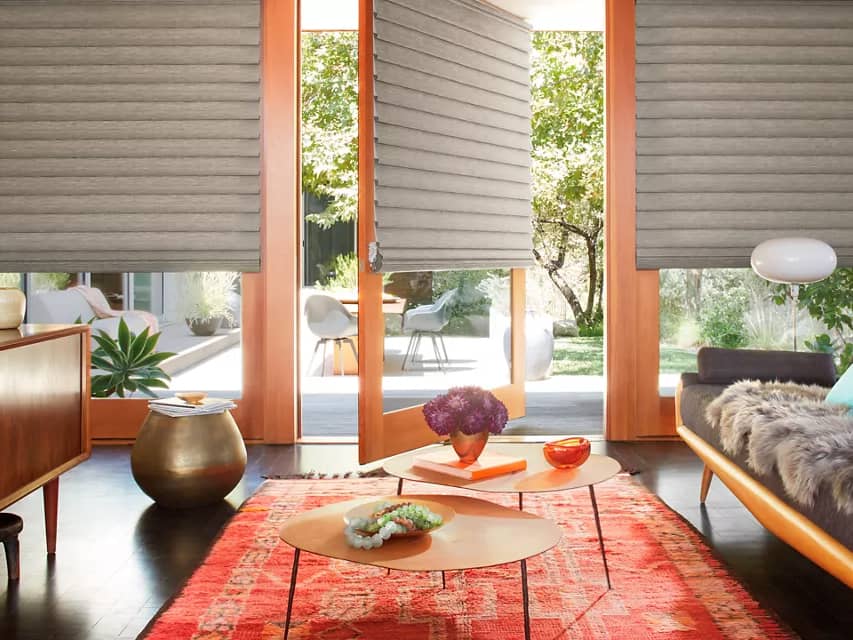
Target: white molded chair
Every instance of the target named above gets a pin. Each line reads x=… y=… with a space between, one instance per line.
x=429 y=320
x=330 y=321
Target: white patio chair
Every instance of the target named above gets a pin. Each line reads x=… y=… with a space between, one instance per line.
x=330 y=321
x=429 y=320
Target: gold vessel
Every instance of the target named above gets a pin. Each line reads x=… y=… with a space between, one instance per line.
x=189 y=461
x=469 y=446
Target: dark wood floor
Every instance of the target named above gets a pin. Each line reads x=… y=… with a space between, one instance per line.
x=120 y=558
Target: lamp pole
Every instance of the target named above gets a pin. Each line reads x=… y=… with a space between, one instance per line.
x=795 y=303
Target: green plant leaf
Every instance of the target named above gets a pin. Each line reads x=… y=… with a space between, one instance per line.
x=124 y=338
x=145 y=390
x=111 y=348
x=152 y=382
x=137 y=346
x=99 y=362
x=154 y=359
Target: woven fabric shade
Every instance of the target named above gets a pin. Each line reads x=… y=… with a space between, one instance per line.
x=744 y=128
x=129 y=135
x=452 y=148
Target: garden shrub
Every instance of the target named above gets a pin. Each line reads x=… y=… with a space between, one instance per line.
x=722 y=322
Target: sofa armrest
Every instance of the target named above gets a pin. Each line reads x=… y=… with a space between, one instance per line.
x=688 y=380
x=725 y=366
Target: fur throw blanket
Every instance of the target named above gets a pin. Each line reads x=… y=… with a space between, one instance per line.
x=788 y=428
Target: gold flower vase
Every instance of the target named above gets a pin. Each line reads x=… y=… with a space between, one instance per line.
x=469 y=447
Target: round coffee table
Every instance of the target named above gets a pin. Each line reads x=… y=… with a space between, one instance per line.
x=538 y=477
x=481 y=534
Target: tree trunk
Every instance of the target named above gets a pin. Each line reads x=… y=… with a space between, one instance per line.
x=592 y=280
x=552 y=268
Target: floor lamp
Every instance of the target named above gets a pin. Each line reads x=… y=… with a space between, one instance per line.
x=793 y=261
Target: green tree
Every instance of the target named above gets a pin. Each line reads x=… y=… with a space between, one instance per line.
x=330 y=123
x=831 y=302
x=567 y=80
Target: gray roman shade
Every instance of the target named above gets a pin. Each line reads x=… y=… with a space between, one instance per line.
x=452 y=148
x=129 y=135
x=744 y=128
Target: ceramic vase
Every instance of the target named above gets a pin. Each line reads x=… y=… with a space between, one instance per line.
x=539 y=345
x=469 y=447
x=13 y=306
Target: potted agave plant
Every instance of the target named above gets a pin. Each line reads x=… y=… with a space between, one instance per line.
x=127 y=364
x=467 y=415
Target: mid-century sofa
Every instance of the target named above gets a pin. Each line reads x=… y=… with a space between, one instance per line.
x=821 y=532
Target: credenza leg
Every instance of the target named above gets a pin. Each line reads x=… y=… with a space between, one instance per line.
x=525 y=599
x=292 y=591
x=13 y=558
x=51 y=510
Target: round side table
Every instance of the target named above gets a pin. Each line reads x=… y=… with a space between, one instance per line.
x=189 y=461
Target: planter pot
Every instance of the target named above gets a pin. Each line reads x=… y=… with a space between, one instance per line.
x=469 y=447
x=190 y=461
x=13 y=306
x=206 y=327
x=539 y=345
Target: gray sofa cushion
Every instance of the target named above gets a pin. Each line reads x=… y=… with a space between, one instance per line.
x=725 y=366
x=824 y=513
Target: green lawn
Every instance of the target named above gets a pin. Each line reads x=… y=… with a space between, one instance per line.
x=585 y=357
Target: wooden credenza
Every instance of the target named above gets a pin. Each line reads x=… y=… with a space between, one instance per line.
x=44 y=412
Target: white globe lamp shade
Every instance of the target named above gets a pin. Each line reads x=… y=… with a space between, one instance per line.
x=793 y=260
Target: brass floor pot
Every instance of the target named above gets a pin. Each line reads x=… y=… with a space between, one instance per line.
x=190 y=461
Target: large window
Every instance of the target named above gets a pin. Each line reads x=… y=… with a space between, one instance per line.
x=197 y=315
x=731 y=308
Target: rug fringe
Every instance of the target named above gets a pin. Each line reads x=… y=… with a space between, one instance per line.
x=317 y=475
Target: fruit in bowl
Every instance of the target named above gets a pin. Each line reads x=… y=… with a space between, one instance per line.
x=368 y=526
x=568 y=453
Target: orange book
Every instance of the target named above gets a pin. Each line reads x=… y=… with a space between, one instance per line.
x=487 y=465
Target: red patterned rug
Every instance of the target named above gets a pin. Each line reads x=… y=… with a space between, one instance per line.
x=666 y=583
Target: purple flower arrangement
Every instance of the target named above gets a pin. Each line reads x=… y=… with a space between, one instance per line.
x=466 y=409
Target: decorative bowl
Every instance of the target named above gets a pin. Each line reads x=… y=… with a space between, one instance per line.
x=367 y=509
x=568 y=453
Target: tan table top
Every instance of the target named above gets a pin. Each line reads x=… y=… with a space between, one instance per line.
x=538 y=477
x=481 y=534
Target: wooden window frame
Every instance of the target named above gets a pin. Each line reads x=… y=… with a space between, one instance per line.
x=269 y=408
x=633 y=406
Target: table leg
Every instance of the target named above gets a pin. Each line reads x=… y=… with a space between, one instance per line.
x=525 y=599
x=443 y=581
x=520 y=501
x=50 y=492
x=600 y=538
x=292 y=591
x=399 y=492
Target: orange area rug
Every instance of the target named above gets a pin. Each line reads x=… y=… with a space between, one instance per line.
x=666 y=582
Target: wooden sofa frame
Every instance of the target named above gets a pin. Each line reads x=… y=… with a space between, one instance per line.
x=786 y=523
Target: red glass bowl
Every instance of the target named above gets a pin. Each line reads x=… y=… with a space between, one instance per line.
x=568 y=453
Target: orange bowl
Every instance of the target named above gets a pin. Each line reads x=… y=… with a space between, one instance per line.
x=568 y=453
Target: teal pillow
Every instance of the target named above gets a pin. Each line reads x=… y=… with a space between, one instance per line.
x=842 y=392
